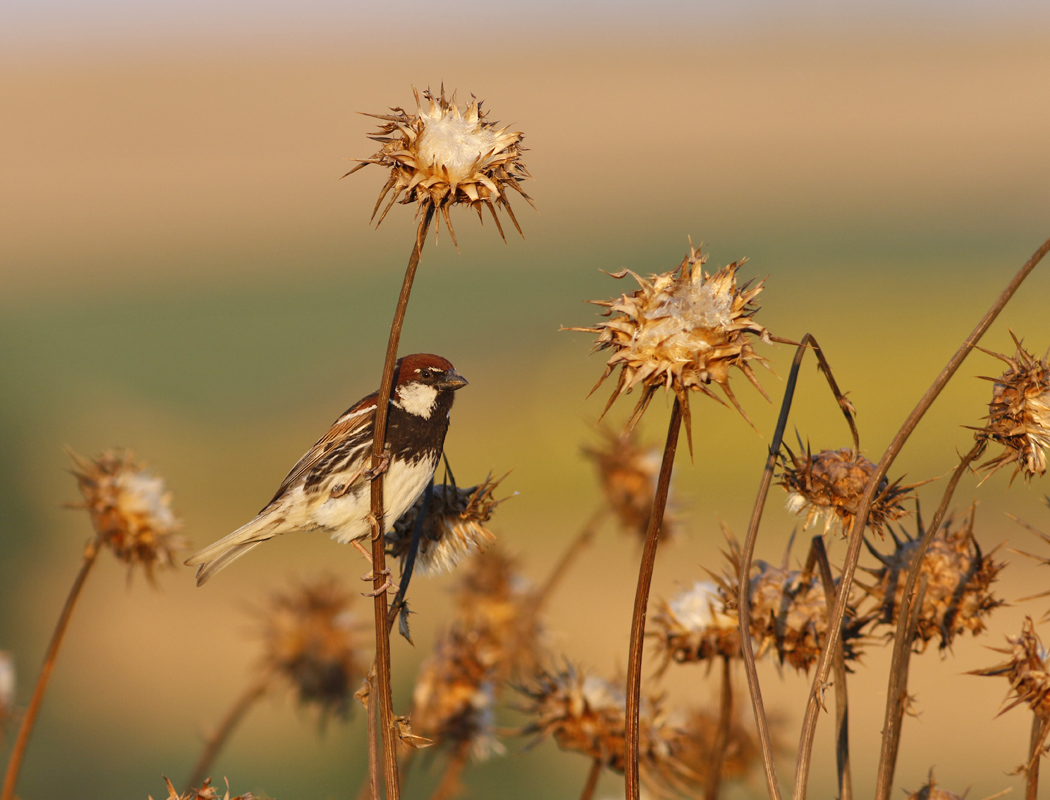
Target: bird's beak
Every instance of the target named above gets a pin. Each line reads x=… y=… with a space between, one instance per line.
x=453 y=380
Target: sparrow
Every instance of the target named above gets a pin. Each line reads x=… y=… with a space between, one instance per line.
x=329 y=490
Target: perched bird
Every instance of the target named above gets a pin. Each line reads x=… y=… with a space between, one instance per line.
x=328 y=489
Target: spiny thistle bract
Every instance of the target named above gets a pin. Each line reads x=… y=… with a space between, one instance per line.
x=830 y=485
x=441 y=156
x=130 y=510
x=959 y=582
x=1027 y=668
x=628 y=473
x=681 y=330
x=454 y=527
x=311 y=640
x=205 y=792
x=696 y=625
x=1019 y=414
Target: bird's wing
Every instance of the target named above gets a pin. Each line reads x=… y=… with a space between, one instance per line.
x=342 y=441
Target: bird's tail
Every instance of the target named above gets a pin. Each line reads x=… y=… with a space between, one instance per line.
x=231 y=547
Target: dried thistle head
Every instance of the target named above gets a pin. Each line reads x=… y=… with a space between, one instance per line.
x=454 y=527
x=442 y=155
x=311 y=639
x=586 y=714
x=682 y=330
x=789 y=612
x=830 y=485
x=130 y=510
x=695 y=741
x=501 y=610
x=1019 y=414
x=929 y=791
x=205 y=792
x=453 y=702
x=959 y=592
x=1027 y=668
x=628 y=473
x=697 y=625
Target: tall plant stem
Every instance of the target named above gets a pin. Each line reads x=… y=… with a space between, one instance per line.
x=561 y=568
x=217 y=740
x=641 y=603
x=856 y=537
x=386 y=387
x=1040 y=729
x=725 y=721
x=14 y=762
x=592 y=780
x=897 y=691
x=449 y=784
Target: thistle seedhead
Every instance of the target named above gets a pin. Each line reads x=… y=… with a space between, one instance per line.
x=455 y=526
x=441 y=156
x=830 y=485
x=959 y=582
x=205 y=792
x=1019 y=414
x=1027 y=668
x=628 y=473
x=130 y=510
x=694 y=744
x=586 y=714
x=311 y=639
x=681 y=330
x=929 y=791
x=697 y=625
x=454 y=698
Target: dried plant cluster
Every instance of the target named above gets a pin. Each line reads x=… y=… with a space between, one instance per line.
x=442 y=155
x=205 y=792
x=959 y=595
x=829 y=486
x=130 y=510
x=681 y=330
x=1027 y=668
x=1019 y=414
x=311 y=639
x=455 y=526
x=697 y=625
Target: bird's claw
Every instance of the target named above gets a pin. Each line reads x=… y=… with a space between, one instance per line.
x=378 y=469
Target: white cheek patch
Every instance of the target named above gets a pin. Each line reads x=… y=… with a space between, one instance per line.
x=417 y=399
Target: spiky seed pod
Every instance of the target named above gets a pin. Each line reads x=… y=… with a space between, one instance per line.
x=1019 y=414
x=500 y=609
x=929 y=791
x=681 y=330
x=959 y=582
x=455 y=526
x=205 y=792
x=696 y=625
x=628 y=473
x=454 y=697
x=829 y=486
x=586 y=714
x=695 y=739
x=311 y=639
x=1027 y=668
x=443 y=156
x=130 y=510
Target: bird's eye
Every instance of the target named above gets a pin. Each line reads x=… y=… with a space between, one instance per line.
x=426 y=374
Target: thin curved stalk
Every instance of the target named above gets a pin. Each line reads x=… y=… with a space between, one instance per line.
x=592 y=780
x=213 y=746
x=449 y=784
x=725 y=721
x=579 y=544
x=641 y=603
x=382 y=629
x=856 y=537
x=897 y=691
x=1040 y=729
x=14 y=762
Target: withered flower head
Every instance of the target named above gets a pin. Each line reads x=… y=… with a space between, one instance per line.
x=929 y=791
x=628 y=474
x=442 y=155
x=454 y=698
x=696 y=625
x=454 y=527
x=130 y=510
x=789 y=612
x=310 y=638
x=681 y=330
x=1028 y=670
x=1019 y=414
x=205 y=792
x=695 y=741
x=586 y=714
x=959 y=582
x=830 y=485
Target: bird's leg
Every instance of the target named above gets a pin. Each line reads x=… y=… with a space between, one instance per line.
x=371 y=575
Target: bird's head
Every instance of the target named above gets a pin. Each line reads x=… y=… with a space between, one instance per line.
x=420 y=378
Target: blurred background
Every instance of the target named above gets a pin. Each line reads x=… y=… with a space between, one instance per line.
x=185 y=274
